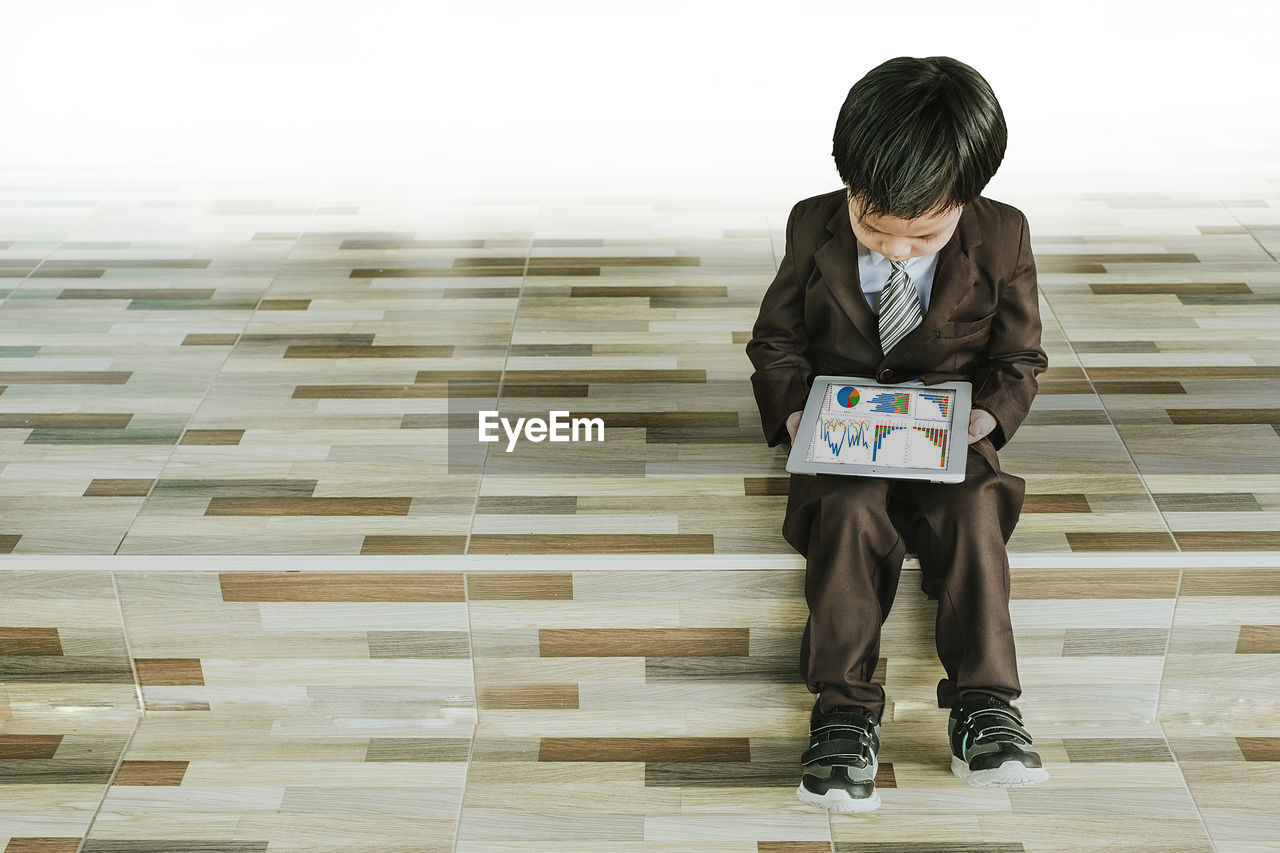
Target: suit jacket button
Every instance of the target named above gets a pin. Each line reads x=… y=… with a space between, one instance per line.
x=884 y=375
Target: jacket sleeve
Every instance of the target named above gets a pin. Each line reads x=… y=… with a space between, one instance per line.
x=1014 y=351
x=777 y=347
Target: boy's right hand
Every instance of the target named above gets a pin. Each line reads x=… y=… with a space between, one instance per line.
x=793 y=424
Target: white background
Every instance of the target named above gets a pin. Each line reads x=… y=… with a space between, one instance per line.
x=500 y=91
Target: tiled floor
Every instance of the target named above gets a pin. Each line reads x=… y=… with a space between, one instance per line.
x=245 y=370
x=210 y=370
x=615 y=709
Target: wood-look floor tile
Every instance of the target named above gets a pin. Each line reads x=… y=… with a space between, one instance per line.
x=172 y=845
x=170 y=671
x=150 y=773
x=1105 y=288
x=1056 y=503
x=212 y=436
x=1138 y=386
x=43 y=844
x=1127 y=642
x=1228 y=540
x=1207 y=502
x=1258 y=640
x=1184 y=373
x=948 y=846
x=106 y=488
x=1224 y=416
x=1252 y=582
x=209 y=339
x=532 y=586
x=633 y=642
x=1259 y=748
x=437 y=272
x=341 y=351
x=64 y=420
x=763 y=486
x=29 y=746
x=135 y=293
x=223 y=506
x=419 y=749
x=1116 y=749
x=529 y=697
x=1101 y=541
x=420 y=644
x=29 y=641
x=52 y=669
x=342 y=586
x=591 y=543
x=1094 y=583
x=392 y=392
x=65 y=377
x=644 y=749
x=728 y=774
x=387 y=543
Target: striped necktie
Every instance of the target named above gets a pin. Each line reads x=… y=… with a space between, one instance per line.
x=899 y=307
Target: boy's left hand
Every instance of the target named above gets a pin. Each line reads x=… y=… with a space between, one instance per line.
x=981 y=422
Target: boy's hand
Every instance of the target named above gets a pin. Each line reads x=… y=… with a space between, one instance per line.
x=981 y=422
x=793 y=424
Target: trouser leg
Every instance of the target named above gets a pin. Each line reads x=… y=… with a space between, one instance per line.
x=854 y=557
x=960 y=532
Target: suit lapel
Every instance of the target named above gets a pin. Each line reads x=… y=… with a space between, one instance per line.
x=953 y=276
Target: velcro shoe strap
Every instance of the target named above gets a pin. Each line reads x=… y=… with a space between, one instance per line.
x=1002 y=712
x=832 y=730
x=837 y=749
x=988 y=733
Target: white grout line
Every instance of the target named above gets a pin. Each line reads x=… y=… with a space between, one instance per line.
x=502 y=377
x=475 y=728
x=590 y=562
x=88 y=829
x=1178 y=765
x=128 y=647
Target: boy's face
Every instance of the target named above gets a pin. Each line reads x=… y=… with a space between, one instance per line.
x=901 y=239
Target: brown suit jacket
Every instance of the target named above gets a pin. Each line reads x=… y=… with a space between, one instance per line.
x=983 y=322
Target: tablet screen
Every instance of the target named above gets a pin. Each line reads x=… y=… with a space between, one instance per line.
x=871 y=425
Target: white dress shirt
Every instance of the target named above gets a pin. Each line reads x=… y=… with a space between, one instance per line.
x=874 y=269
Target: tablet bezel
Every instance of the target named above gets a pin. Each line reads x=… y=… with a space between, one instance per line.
x=953 y=473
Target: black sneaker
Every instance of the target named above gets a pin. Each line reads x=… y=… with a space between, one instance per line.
x=840 y=764
x=989 y=746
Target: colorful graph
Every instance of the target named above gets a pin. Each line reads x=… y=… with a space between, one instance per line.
x=840 y=433
x=940 y=437
x=848 y=397
x=941 y=400
x=870 y=425
x=882 y=430
x=892 y=403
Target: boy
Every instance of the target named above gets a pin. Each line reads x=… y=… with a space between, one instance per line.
x=910 y=275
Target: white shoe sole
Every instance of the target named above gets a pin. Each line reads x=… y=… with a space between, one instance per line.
x=837 y=800
x=1011 y=774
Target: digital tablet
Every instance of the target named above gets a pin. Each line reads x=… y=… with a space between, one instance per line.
x=857 y=426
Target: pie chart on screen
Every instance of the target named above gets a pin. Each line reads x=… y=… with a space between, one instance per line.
x=847 y=397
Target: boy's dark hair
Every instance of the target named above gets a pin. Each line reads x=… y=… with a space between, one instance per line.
x=917 y=135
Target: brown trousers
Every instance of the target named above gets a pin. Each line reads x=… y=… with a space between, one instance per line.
x=851 y=531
